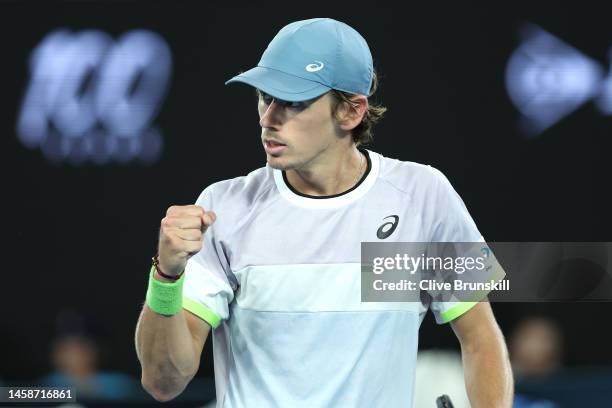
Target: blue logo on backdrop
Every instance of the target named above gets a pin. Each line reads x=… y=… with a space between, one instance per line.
x=547 y=79
x=93 y=98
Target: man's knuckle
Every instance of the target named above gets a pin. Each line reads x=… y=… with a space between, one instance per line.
x=166 y=222
x=171 y=238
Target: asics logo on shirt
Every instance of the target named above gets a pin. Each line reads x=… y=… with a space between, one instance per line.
x=315 y=67
x=390 y=226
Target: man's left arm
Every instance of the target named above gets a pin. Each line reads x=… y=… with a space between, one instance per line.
x=486 y=367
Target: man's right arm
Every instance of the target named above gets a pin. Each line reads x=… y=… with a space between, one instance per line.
x=169 y=347
x=169 y=350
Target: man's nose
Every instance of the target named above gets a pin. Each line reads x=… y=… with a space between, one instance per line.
x=272 y=116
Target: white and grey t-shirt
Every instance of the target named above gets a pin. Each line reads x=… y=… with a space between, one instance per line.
x=278 y=279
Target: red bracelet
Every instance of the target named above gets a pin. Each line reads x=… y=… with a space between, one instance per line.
x=163 y=275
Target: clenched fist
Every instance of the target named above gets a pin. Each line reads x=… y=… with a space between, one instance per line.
x=180 y=236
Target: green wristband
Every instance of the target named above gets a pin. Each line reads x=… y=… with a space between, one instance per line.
x=165 y=298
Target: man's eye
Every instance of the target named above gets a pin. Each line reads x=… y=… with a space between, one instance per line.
x=267 y=99
x=295 y=105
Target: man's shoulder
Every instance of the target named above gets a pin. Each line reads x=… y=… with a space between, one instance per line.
x=247 y=188
x=405 y=175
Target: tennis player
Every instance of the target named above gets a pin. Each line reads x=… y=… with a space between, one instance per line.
x=271 y=261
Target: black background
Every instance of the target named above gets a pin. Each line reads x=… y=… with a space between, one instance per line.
x=81 y=237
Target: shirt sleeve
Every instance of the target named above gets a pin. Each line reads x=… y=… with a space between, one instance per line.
x=207 y=291
x=453 y=224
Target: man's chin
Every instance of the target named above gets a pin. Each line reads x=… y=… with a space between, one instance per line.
x=278 y=163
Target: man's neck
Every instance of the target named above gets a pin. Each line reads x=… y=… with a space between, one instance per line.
x=329 y=175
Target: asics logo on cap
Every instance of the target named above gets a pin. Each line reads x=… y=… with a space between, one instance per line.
x=315 y=67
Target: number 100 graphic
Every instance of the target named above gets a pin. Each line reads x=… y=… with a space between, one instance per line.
x=93 y=98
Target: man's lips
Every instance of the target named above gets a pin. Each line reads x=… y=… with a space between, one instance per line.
x=272 y=142
x=273 y=146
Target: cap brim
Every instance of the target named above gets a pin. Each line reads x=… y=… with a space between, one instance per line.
x=281 y=85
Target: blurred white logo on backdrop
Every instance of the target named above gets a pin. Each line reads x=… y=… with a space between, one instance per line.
x=93 y=98
x=547 y=79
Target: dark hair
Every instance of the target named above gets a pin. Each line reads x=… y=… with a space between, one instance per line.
x=363 y=133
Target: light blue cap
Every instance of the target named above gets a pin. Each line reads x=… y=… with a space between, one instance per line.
x=310 y=57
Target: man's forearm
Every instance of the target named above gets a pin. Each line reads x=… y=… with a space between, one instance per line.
x=167 y=354
x=488 y=375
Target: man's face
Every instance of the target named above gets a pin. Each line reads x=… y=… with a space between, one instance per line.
x=295 y=133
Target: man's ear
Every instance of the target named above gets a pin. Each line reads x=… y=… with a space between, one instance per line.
x=349 y=116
